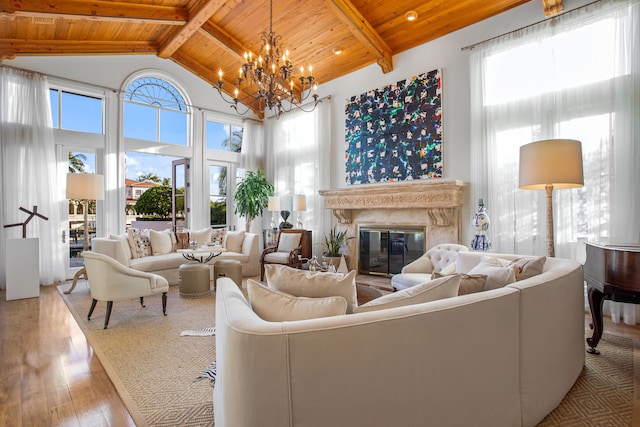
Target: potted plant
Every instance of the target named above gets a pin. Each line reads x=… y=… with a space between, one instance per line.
x=333 y=242
x=252 y=196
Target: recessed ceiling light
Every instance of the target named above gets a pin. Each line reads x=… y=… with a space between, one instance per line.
x=337 y=50
x=411 y=15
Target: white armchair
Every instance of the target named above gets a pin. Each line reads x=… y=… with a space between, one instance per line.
x=110 y=281
x=433 y=261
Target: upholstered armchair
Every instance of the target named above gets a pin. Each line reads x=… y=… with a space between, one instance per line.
x=435 y=260
x=287 y=250
x=109 y=281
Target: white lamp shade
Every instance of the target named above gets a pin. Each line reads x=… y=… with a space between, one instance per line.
x=85 y=186
x=300 y=203
x=274 y=203
x=556 y=162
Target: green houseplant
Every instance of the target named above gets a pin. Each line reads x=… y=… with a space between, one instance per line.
x=334 y=241
x=252 y=196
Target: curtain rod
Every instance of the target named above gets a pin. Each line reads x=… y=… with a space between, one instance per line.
x=472 y=46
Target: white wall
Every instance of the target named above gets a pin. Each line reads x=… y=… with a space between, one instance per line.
x=444 y=53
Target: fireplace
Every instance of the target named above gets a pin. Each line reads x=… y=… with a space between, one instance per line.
x=434 y=206
x=384 y=251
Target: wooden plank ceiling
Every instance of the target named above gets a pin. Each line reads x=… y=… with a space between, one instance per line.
x=204 y=36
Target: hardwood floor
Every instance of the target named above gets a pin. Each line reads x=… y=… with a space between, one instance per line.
x=49 y=375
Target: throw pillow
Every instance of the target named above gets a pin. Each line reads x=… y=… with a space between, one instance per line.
x=160 y=242
x=288 y=242
x=275 y=306
x=469 y=284
x=139 y=242
x=444 y=287
x=449 y=269
x=219 y=237
x=301 y=283
x=182 y=240
x=497 y=274
x=526 y=267
x=235 y=240
x=201 y=237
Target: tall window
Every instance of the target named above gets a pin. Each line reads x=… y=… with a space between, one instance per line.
x=218 y=184
x=574 y=77
x=224 y=136
x=154 y=110
x=74 y=111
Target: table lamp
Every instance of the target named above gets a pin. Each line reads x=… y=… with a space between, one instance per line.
x=274 y=206
x=551 y=164
x=300 y=205
x=85 y=187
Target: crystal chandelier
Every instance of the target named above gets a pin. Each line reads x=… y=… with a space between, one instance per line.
x=267 y=79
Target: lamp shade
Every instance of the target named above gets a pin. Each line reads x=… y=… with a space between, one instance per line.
x=300 y=203
x=85 y=186
x=556 y=162
x=274 y=204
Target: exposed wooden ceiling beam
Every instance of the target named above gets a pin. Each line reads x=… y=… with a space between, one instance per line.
x=551 y=7
x=224 y=40
x=363 y=31
x=81 y=47
x=197 y=17
x=100 y=10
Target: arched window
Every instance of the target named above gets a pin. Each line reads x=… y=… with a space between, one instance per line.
x=154 y=110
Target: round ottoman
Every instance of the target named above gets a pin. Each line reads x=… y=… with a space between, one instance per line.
x=231 y=268
x=194 y=280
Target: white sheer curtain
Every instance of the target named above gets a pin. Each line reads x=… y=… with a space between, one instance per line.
x=298 y=154
x=28 y=169
x=576 y=76
x=252 y=153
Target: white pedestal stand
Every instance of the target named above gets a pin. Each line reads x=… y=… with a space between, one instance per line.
x=23 y=268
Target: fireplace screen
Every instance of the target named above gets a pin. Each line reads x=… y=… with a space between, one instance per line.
x=385 y=251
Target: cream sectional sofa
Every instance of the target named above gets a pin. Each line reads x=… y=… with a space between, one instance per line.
x=502 y=357
x=167 y=264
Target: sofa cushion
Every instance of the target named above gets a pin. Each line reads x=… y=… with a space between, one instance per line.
x=234 y=241
x=200 y=236
x=155 y=263
x=219 y=237
x=161 y=242
x=443 y=287
x=302 y=283
x=275 y=306
x=469 y=284
x=527 y=266
x=496 y=270
x=449 y=269
x=122 y=250
x=288 y=242
x=139 y=242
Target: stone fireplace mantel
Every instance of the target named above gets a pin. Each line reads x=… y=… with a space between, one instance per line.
x=435 y=205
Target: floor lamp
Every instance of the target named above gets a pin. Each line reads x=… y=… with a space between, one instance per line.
x=85 y=187
x=551 y=164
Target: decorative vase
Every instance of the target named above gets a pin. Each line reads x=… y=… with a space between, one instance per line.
x=481 y=223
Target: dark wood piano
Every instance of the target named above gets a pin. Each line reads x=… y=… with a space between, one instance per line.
x=612 y=272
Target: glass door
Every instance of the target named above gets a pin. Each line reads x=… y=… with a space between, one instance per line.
x=180 y=194
x=75 y=235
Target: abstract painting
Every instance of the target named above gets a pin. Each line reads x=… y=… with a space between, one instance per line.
x=395 y=133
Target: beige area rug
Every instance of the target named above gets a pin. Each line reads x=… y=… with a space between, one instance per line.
x=153 y=367
x=603 y=393
x=150 y=364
